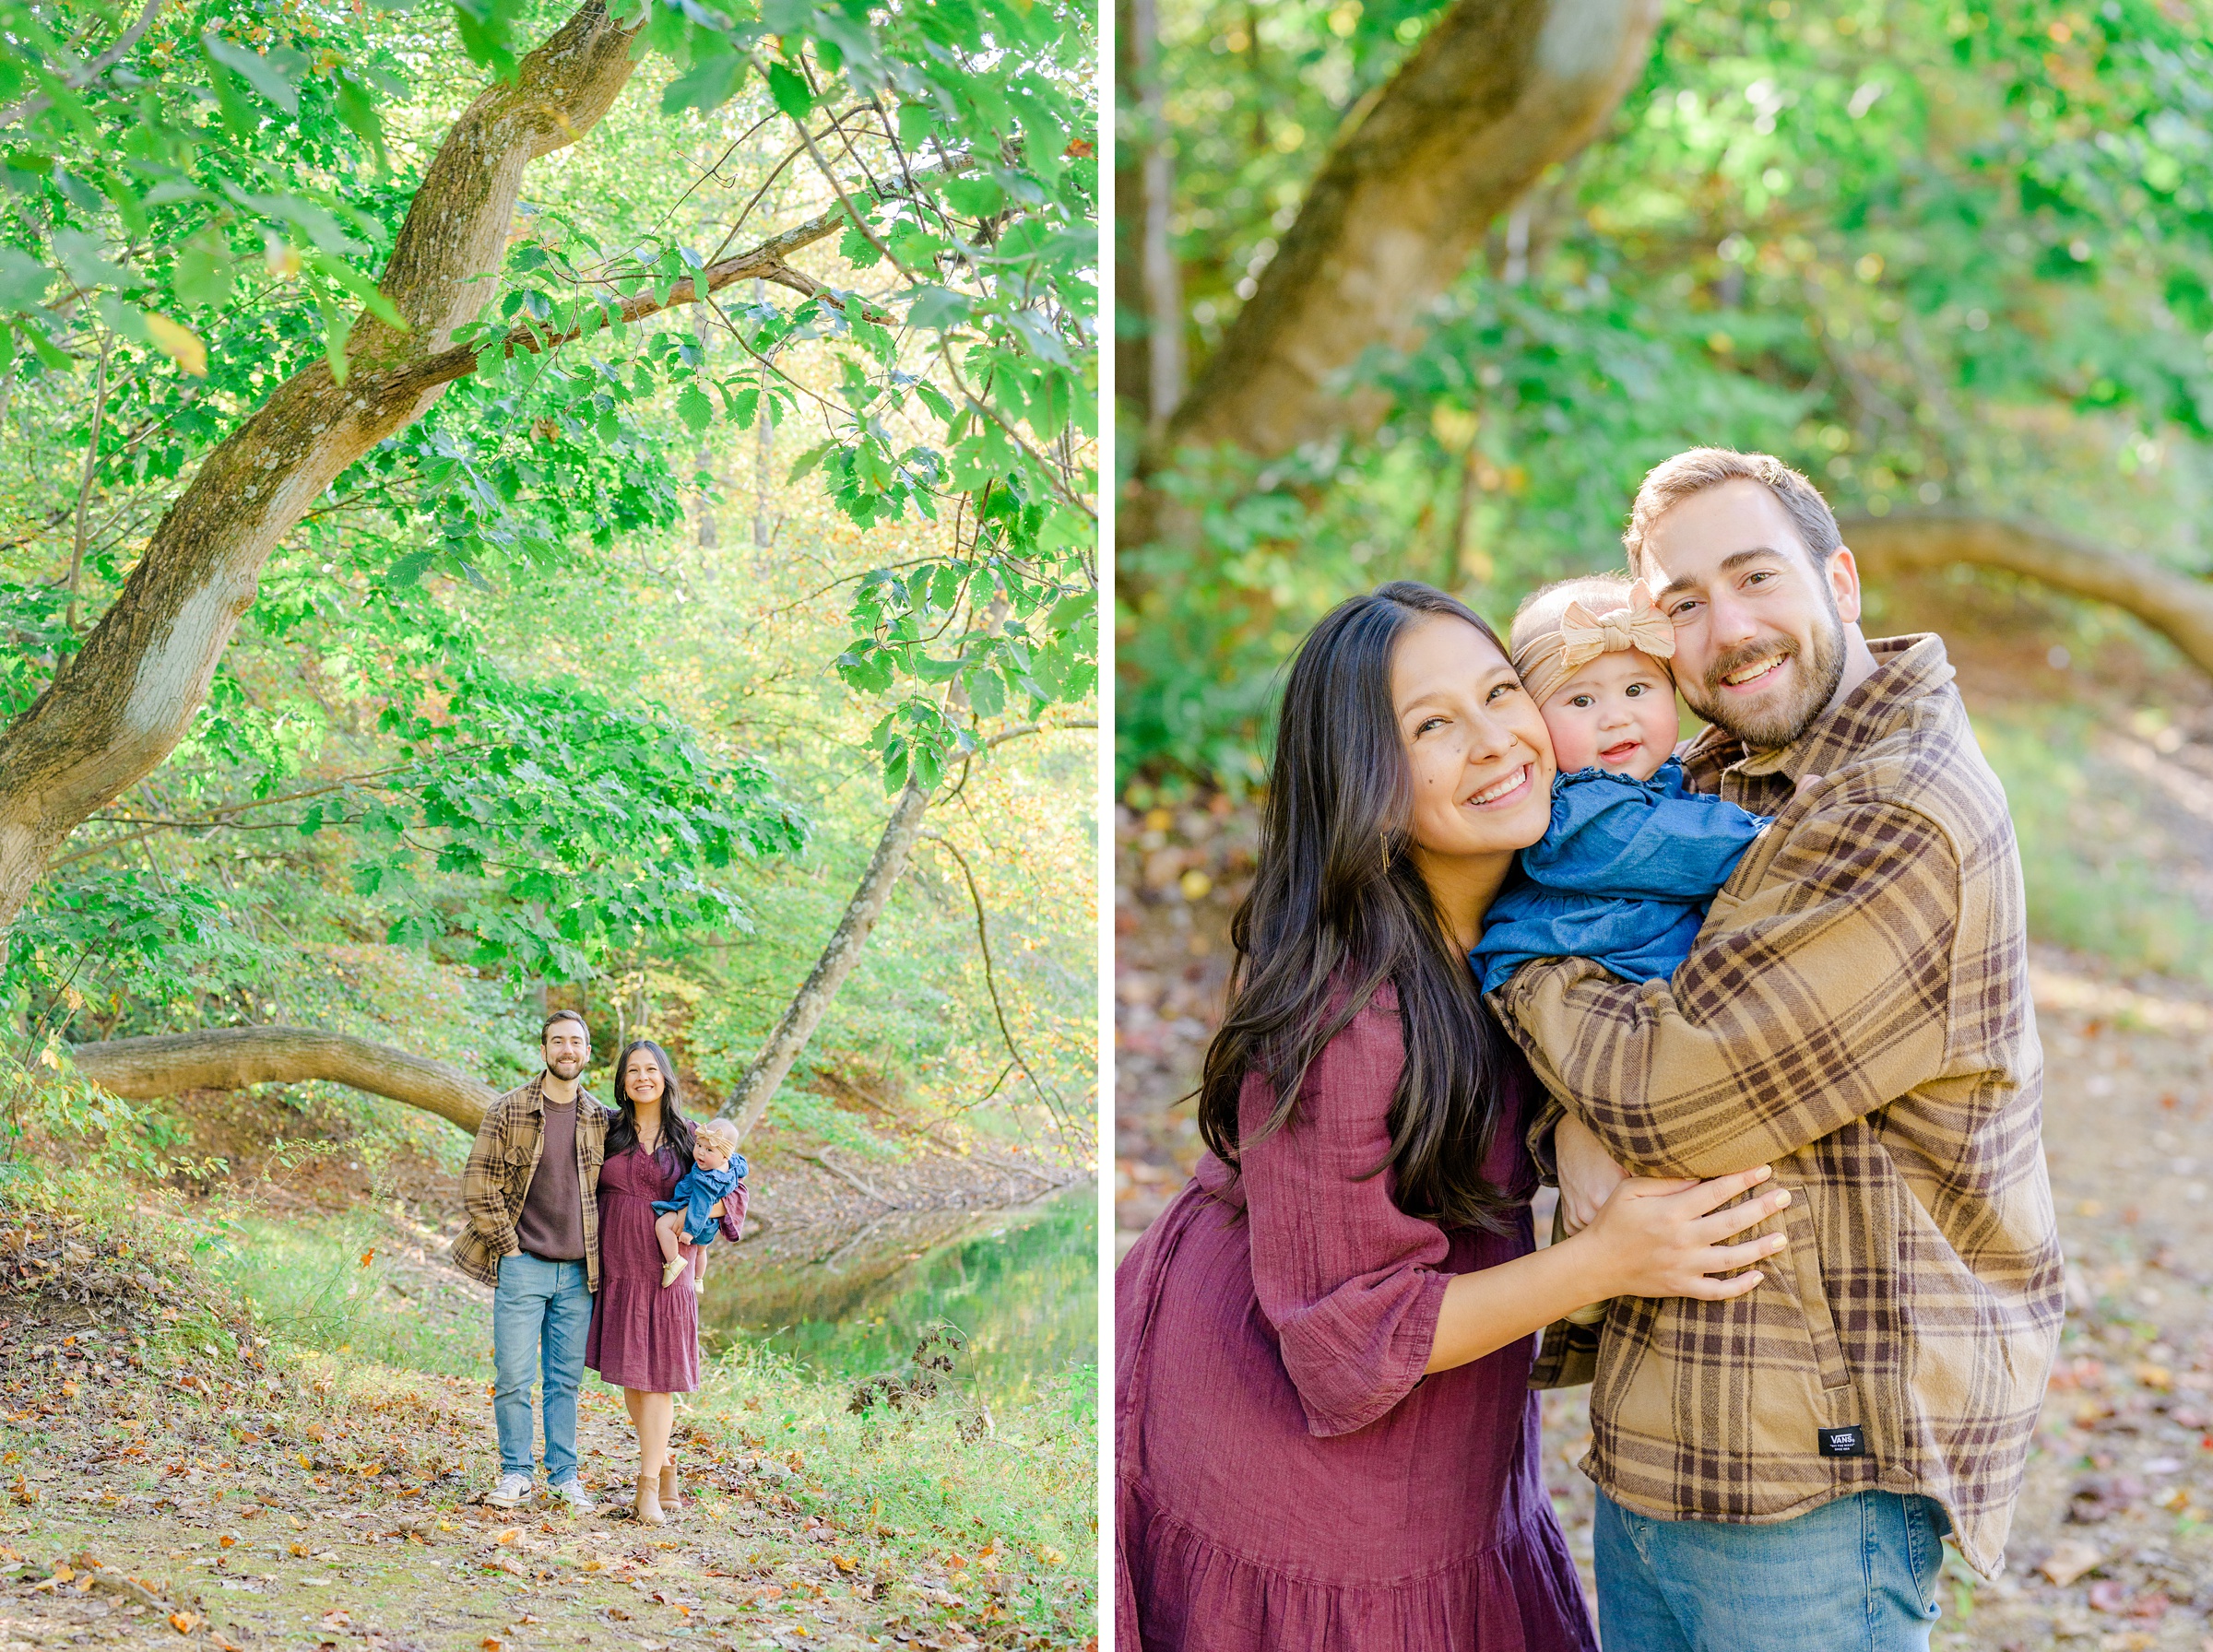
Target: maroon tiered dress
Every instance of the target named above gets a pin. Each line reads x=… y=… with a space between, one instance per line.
x=1287 y=1481
x=642 y=1336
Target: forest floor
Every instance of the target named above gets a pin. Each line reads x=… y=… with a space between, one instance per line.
x=2113 y=1544
x=169 y=1475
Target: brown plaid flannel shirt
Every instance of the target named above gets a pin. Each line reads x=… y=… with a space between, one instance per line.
x=499 y=1171
x=1857 y=1014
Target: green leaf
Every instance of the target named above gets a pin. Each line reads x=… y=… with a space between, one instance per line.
x=338 y=326
x=975 y=197
x=986 y=693
x=936 y=308
x=710 y=82
x=275 y=75
x=23 y=279
x=789 y=90
x=1071 y=611
x=358 y=111
x=410 y=569
x=83 y=258
x=857 y=249
x=917 y=123
x=204 y=272
x=694 y=409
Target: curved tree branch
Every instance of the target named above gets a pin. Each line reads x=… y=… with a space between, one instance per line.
x=1499 y=91
x=2174 y=604
x=234 y=1057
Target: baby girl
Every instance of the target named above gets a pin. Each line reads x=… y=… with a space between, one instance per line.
x=1632 y=859
x=690 y=1214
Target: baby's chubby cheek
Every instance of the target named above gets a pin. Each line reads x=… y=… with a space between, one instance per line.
x=1572 y=747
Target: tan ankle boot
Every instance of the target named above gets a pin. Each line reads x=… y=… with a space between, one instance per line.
x=670 y=1498
x=648 y=1505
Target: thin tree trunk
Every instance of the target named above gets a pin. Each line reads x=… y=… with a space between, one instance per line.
x=702 y=463
x=84 y=486
x=764 y=456
x=762 y=1078
x=1164 y=286
x=234 y=1057
x=2179 y=608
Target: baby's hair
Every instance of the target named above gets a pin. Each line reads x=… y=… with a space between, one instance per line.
x=718 y=1133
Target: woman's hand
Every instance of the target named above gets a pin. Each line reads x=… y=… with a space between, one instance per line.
x=1587 y=1172
x=1655 y=1238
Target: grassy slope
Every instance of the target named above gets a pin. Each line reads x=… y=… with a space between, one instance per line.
x=274 y=1430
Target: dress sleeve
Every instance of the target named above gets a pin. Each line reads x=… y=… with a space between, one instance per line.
x=733 y=1211
x=1351 y=1284
x=1610 y=837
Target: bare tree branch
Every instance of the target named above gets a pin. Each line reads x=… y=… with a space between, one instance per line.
x=2179 y=608
x=234 y=1057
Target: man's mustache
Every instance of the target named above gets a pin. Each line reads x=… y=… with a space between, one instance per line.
x=1750 y=653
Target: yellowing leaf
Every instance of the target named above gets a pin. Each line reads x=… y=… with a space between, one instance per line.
x=179 y=342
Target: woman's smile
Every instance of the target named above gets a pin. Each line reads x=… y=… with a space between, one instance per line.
x=1506 y=791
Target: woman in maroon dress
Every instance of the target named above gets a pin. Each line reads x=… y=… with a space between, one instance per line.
x=644 y=1339
x=1325 y=1442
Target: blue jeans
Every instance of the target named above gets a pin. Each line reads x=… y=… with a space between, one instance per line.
x=540 y=1311
x=1858 y=1575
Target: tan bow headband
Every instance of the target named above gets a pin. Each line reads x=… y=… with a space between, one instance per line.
x=1550 y=658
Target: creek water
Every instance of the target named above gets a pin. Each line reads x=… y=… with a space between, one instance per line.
x=1021 y=1284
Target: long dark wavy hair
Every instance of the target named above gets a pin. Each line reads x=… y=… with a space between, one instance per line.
x=1338 y=908
x=676 y=1129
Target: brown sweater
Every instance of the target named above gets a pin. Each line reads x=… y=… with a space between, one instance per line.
x=551 y=1224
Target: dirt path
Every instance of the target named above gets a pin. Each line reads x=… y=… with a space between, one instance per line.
x=2112 y=1547
x=166 y=1479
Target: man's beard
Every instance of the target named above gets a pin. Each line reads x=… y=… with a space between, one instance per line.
x=1778 y=723
x=563 y=1068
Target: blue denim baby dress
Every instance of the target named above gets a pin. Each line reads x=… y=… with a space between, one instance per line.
x=1622 y=877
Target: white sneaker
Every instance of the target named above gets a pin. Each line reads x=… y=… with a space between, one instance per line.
x=512 y=1491
x=570 y=1491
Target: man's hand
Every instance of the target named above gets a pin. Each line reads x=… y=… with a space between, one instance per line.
x=1588 y=1175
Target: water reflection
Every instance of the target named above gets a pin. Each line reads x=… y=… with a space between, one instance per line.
x=1023 y=1285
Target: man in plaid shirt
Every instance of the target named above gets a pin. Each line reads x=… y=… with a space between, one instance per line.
x=530 y=1189
x=1779 y=1470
